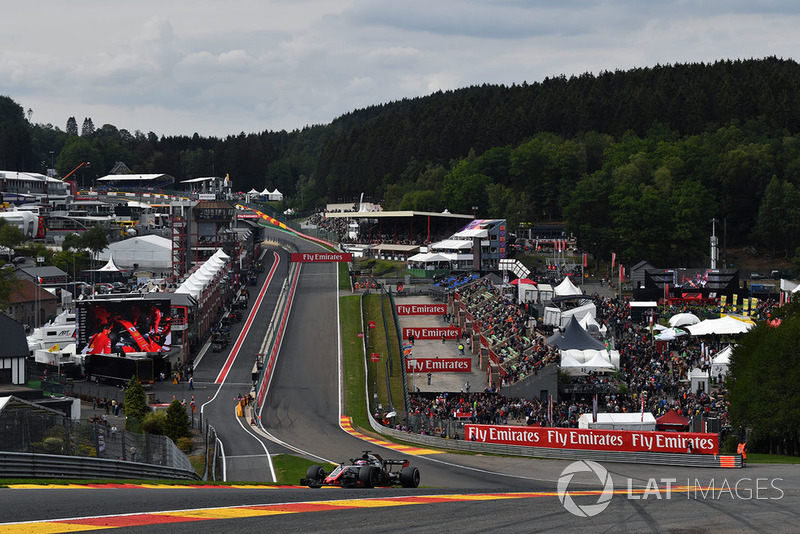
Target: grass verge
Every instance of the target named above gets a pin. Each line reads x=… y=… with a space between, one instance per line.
x=760 y=458
x=290 y=469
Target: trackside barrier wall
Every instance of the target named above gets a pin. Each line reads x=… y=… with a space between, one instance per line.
x=402 y=358
x=274 y=343
x=654 y=458
x=31 y=465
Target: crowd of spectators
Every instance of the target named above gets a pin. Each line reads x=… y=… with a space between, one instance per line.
x=652 y=377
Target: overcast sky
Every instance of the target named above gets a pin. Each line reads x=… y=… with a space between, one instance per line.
x=219 y=68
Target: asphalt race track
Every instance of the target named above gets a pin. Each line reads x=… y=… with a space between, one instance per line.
x=301 y=416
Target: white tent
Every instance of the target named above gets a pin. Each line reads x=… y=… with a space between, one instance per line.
x=109 y=267
x=560 y=318
x=721 y=361
x=619 y=421
x=723 y=325
x=699 y=380
x=591 y=325
x=147 y=251
x=252 y=192
x=683 y=319
x=265 y=193
x=527 y=292
x=582 y=362
x=670 y=334
x=566 y=288
x=275 y=195
x=199 y=279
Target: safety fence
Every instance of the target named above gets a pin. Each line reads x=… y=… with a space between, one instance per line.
x=402 y=357
x=32 y=465
x=51 y=433
x=653 y=458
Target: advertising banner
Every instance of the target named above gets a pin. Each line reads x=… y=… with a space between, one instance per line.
x=438 y=365
x=317 y=257
x=593 y=439
x=421 y=309
x=432 y=333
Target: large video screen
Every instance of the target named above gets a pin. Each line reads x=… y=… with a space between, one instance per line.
x=123 y=326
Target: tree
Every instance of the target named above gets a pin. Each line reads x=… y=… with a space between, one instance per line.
x=72 y=241
x=95 y=239
x=10 y=236
x=87 y=130
x=764 y=384
x=176 y=425
x=136 y=407
x=8 y=282
x=72 y=126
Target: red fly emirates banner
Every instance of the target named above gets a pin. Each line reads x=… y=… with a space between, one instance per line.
x=438 y=365
x=432 y=333
x=594 y=439
x=315 y=257
x=421 y=309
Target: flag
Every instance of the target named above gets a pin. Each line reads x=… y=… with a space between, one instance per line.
x=621 y=273
x=613 y=259
x=642 y=416
x=666 y=291
x=585 y=260
x=594 y=408
x=550 y=410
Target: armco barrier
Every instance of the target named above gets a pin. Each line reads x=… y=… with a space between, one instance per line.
x=32 y=465
x=654 y=458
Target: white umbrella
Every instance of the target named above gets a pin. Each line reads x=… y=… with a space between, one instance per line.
x=683 y=319
x=670 y=334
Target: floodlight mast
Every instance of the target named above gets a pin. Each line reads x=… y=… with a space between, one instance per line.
x=714 y=244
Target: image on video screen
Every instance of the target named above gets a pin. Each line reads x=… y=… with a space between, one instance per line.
x=123 y=326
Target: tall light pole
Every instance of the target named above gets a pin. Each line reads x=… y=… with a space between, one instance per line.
x=714 y=243
x=474 y=212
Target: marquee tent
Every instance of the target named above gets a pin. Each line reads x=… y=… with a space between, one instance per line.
x=723 y=325
x=149 y=252
x=574 y=337
x=589 y=324
x=566 y=288
x=582 y=362
x=670 y=334
x=672 y=421
x=109 y=267
x=683 y=319
x=721 y=361
x=619 y=421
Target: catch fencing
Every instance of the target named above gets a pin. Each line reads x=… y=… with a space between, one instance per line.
x=51 y=433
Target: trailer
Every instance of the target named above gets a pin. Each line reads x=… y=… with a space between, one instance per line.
x=119 y=369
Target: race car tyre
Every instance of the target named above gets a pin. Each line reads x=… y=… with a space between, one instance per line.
x=317 y=474
x=368 y=476
x=409 y=477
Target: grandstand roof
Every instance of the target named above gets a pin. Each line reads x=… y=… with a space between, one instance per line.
x=390 y=214
x=134 y=177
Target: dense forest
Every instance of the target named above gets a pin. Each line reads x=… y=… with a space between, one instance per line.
x=635 y=161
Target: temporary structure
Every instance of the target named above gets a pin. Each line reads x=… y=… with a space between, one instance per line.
x=574 y=337
x=683 y=319
x=721 y=361
x=723 y=325
x=566 y=289
x=619 y=421
x=672 y=421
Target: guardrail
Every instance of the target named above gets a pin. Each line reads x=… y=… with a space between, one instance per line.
x=653 y=458
x=33 y=465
